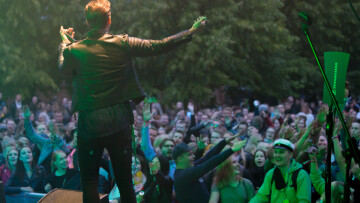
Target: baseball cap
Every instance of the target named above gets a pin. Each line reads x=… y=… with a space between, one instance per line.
x=180 y=149
x=283 y=144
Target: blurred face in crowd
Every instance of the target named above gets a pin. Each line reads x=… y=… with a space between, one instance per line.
x=215 y=124
x=322 y=142
x=164 y=120
x=34 y=100
x=11 y=126
x=204 y=118
x=245 y=112
x=60 y=161
x=42 y=118
x=270 y=133
x=355 y=130
x=65 y=101
x=276 y=124
x=180 y=126
x=281 y=108
x=252 y=131
x=259 y=159
x=215 y=137
x=227 y=113
x=250 y=115
x=179 y=105
x=352 y=113
x=41 y=129
x=12 y=157
x=59 y=117
x=161 y=131
x=242 y=128
x=282 y=157
x=26 y=155
x=18 y=97
x=167 y=148
x=301 y=124
x=4 y=110
x=205 y=139
x=186 y=159
x=153 y=134
x=287 y=105
x=177 y=137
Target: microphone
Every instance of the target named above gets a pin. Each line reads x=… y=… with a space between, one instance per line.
x=305 y=17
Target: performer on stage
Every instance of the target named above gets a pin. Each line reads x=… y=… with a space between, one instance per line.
x=105 y=82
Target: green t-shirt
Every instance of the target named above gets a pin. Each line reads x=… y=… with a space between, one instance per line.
x=243 y=192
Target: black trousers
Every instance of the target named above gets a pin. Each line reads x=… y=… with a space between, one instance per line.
x=120 y=152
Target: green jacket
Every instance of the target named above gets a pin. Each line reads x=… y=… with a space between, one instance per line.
x=303 y=192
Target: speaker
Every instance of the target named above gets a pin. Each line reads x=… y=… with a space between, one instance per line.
x=68 y=196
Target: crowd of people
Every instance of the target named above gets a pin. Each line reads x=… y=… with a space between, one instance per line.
x=242 y=153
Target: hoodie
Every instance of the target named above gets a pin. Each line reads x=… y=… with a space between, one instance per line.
x=303 y=193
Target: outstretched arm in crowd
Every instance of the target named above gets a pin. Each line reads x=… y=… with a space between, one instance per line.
x=30 y=131
x=145 y=134
x=190 y=130
x=338 y=152
x=315 y=175
x=194 y=173
x=215 y=150
x=299 y=145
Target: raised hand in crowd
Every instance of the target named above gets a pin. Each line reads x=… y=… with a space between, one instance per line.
x=147 y=115
x=238 y=145
x=154 y=166
x=229 y=139
x=26 y=111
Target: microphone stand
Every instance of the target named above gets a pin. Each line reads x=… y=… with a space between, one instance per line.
x=351 y=151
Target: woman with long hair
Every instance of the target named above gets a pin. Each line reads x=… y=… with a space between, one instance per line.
x=62 y=176
x=28 y=177
x=11 y=156
x=229 y=186
x=257 y=171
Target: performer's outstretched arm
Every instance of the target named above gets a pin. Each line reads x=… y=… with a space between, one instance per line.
x=143 y=47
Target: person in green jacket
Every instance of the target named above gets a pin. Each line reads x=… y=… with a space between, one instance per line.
x=278 y=185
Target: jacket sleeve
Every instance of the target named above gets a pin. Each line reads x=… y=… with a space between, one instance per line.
x=198 y=171
x=303 y=187
x=145 y=47
x=62 y=144
x=146 y=144
x=65 y=59
x=32 y=135
x=11 y=186
x=263 y=194
x=214 y=151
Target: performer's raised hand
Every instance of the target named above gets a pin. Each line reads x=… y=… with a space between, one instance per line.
x=198 y=25
x=70 y=32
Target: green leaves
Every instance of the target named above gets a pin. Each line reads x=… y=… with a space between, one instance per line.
x=257 y=45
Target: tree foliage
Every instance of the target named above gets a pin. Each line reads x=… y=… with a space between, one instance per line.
x=255 y=44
